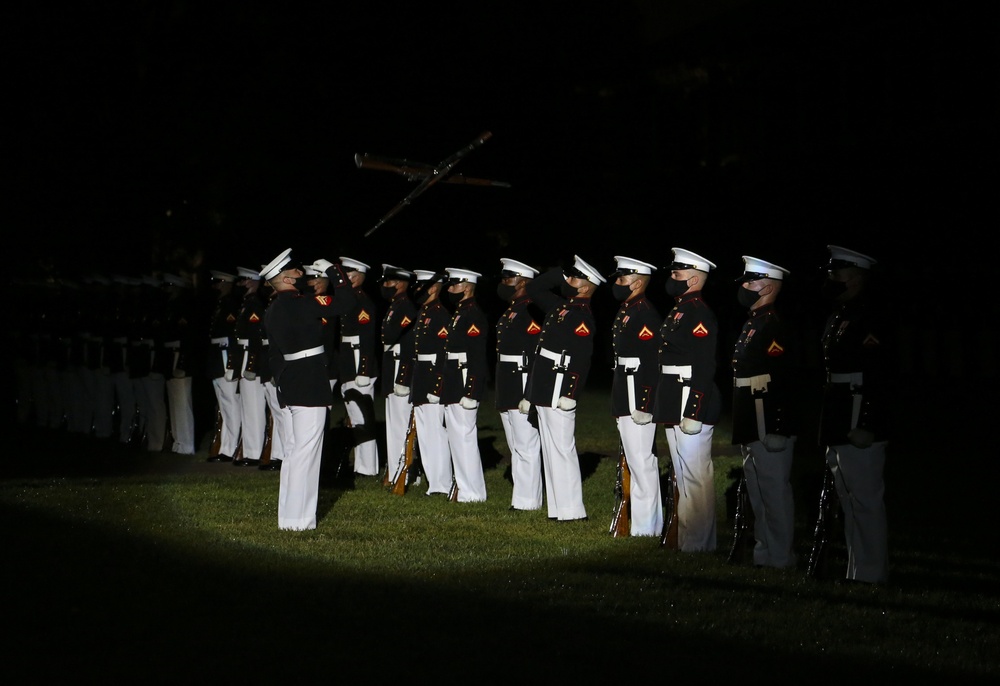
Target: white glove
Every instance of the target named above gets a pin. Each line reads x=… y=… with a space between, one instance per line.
x=860 y=438
x=468 y=403
x=690 y=426
x=433 y=399
x=641 y=418
x=524 y=407
x=774 y=443
x=400 y=390
x=565 y=403
x=321 y=265
x=362 y=381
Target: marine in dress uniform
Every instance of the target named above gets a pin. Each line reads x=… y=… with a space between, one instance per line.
x=635 y=340
x=359 y=368
x=244 y=358
x=764 y=418
x=117 y=355
x=281 y=417
x=517 y=332
x=397 y=353
x=558 y=377
x=430 y=336
x=466 y=374
x=854 y=424
x=180 y=340
x=298 y=360
x=688 y=403
x=222 y=338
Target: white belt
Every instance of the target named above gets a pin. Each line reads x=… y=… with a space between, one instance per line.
x=427 y=358
x=679 y=370
x=243 y=341
x=561 y=363
x=318 y=350
x=555 y=357
x=264 y=341
x=855 y=379
x=461 y=357
x=463 y=364
x=628 y=362
x=756 y=383
x=172 y=344
x=223 y=341
x=394 y=348
x=353 y=340
x=516 y=359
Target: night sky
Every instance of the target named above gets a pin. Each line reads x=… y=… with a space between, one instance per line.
x=726 y=127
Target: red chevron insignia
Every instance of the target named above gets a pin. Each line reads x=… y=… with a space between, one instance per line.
x=406 y=321
x=700 y=331
x=582 y=330
x=645 y=334
x=254 y=318
x=364 y=317
x=443 y=333
x=534 y=328
x=324 y=300
x=472 y=331
x=775 y=350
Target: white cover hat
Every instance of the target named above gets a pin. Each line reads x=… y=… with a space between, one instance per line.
x=425 y=274
x=247 y=273
x=458 y=275
x=390 y=272
x=351 y=265
x=588 y=272
x=756 y=268
x=630 y=265
x=842 y=257
x=511 y=267
x=221 y=276
x=275 y=266
x=685 y=259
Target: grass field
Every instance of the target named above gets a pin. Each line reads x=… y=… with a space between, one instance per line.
x=159 y=568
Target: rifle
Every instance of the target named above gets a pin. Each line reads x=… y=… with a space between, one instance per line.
x=453 y=491
x=669 y=538
x=623 y=486
x=213 y=450
x=399 y=481
x=265 y=451
x=824 y=523
x=742 y=523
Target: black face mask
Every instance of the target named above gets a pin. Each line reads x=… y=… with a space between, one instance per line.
x=833 y=290
x=675 y=288
x=454 y=298
x=620 y=292
x=303 y=285
x=505 y=292
x=388 y=292
x=746 y=297
x=567 y=290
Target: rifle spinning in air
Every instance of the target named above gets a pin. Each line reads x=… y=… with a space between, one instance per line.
x=429 y=175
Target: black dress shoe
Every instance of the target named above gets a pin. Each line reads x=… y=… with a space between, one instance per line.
x=220 y=458
x=245 y=462
x=272 y=466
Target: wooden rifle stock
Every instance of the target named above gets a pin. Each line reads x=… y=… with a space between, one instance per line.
x=213 y=450
x=265 y=452
x=453 y=492
x=399 y=482
x=623 y=487
x=669 y=537
x=824 y=523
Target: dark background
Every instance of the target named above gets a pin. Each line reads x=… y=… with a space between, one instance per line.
x=757 y=127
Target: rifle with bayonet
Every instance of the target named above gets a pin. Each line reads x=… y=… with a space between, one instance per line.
x=398 y=484
x=742 y=523
x=669 y=537
x=623 y=487
x=828 y=511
